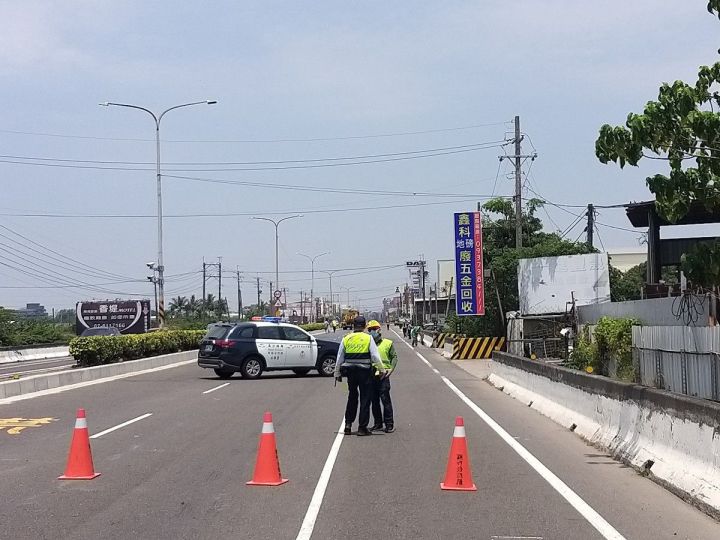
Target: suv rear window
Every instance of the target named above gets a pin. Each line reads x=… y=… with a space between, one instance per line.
x=218 y=331
x=242 y=332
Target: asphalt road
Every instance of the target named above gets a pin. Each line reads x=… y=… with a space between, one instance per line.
x=181 y=472
x=34 y=367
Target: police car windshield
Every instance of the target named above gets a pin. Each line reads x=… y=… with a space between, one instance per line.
x=218 y=331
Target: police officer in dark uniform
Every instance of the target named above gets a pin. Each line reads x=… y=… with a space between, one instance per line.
x=357 y=356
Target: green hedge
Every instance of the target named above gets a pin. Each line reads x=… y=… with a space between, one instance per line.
x=96 y=350
x=313 y=326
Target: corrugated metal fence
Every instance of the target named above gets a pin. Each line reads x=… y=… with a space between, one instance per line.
x=680 y=359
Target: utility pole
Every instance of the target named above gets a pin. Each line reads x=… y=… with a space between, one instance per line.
x=240 y=306
x=204 y=281
x=207 y=274
x=518 y=185
x=258 y=293
x=220 y=280
x=422 y=269
x=302 y=308
x=590 y=225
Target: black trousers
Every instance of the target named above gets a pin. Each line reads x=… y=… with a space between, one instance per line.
x=381 y=393
x=359 y=379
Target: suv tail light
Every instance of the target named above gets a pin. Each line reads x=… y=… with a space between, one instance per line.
x=223 y=343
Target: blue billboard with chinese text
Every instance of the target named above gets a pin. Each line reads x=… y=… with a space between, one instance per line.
x=469 y=287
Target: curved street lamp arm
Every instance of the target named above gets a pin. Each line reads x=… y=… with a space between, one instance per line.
x=109 y=103
x=205 y=101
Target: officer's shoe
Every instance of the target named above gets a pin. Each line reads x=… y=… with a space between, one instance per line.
x=348 y=429
x=377 y=427
x=389 y=429
x=363 y=432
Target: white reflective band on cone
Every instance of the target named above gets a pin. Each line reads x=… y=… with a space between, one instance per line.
x=81 y=423
x=459 y=431
x=268 y=427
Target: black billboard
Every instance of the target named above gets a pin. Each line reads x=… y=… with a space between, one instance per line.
x=128 y=316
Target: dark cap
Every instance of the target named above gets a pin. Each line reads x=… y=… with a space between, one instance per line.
x=359 y=322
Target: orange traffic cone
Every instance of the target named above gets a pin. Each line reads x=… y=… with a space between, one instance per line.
x=80 y=463
x=267 y=466
x=458 y=475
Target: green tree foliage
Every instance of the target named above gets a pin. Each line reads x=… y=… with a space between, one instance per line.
x=18 y=331
x=500 y=253
x=681 y=127
x=626 y=285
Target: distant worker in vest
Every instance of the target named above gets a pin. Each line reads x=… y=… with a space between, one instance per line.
x=357 y=357
x=381 y=383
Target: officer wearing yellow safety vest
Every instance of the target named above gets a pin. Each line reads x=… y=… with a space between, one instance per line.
x=381 y=383
x=357 y=356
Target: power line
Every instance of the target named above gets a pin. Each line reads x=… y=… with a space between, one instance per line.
x=237 y=214
x=257 y=141
x=63 y=257
x=295 y=187
x=273 y=162
x=398 y=157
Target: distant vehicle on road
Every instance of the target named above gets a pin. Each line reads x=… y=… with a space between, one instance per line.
x=100 y=331
x=265 y=344
x=348 y=316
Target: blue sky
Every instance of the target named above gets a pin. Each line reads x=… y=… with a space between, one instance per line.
x=321 y=70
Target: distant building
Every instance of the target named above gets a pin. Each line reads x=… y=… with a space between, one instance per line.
x=32 y=311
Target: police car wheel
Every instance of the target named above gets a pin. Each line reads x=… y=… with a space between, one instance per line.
x=223 y=374
x=301 y=371
x=251 y=368
x=326 y=366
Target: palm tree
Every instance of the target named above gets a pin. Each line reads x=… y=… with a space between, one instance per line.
x=210 y=305
x=194 y=306
x=178 y=306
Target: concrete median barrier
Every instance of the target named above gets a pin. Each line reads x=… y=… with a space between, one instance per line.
x=9 y=356
x=47 y=381
x=671 y=438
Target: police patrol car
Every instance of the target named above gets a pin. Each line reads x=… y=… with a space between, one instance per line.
x=264 y=344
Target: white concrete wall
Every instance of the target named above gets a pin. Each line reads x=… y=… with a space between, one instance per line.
x=40 y=353
x=686 y=454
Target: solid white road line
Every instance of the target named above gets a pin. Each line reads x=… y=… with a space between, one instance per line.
x=60 y=389
x=428 y=364
x=119 y=426
x=216 y=388
x=313 y=510
x=595 y=519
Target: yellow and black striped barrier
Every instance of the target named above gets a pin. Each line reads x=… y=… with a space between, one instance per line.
x=439 y=339
x=473 y=348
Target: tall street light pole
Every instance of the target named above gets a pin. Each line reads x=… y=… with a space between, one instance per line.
x=160 y=265
x=312 y=277
x=397 y=291
x=348 y=289
x=277 y=224
x=332 y=298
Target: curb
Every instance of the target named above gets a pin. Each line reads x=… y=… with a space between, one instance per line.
x=48 y=381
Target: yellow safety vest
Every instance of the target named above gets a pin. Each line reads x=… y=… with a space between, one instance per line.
x=357 y=348
x=384 y=348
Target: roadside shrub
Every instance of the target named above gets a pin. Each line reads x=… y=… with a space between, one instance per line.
x=313 y=326
x=613 y=337
x=98 y=350
x=612 y=340
x=584 y=353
